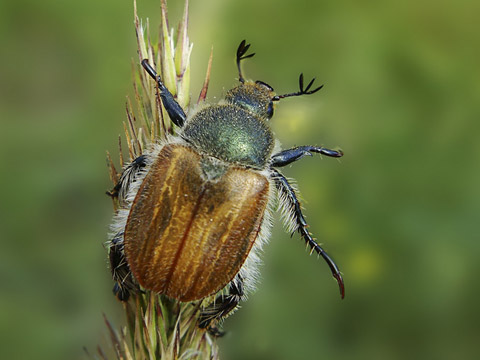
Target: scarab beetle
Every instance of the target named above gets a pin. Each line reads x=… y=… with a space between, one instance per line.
x=196 y=208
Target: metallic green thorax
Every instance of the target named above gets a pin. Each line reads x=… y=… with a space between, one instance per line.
x=232 y=134
x=235 y=132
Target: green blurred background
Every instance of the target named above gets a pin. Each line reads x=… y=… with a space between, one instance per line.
x=399 y=213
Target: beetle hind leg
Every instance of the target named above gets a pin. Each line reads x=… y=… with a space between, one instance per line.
x=128 y=176
x=121 y=274
x=294 y=212
x=221 y=307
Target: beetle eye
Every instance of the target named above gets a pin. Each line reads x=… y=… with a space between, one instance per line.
x=264 y=84
x=270 y=110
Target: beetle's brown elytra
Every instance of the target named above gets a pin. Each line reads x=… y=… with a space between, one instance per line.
x=187 y=236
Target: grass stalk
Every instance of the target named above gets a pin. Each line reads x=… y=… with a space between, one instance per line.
x=157 y=327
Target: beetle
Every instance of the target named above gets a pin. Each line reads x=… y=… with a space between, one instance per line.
x=196 y=208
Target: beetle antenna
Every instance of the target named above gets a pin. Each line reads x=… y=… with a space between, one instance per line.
x=302 y=91
x=241 y=50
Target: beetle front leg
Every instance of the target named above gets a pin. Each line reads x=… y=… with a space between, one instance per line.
x=288 y=195
x=288 y=156
x=174 y=110
x=221 y=307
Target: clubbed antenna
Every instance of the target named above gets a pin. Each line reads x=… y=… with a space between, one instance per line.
x=242 y=49
x=302 y=91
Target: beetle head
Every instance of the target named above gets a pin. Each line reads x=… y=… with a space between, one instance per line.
x=256 y=97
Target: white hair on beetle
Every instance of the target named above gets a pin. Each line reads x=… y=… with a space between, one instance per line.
x=130 y=189
x=249 y=270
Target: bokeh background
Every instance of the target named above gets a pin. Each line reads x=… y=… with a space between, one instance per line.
x=400 y=212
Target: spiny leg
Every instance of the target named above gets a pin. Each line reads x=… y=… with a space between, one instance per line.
x=287 y=191
x=222 y=306
x=121 y=273
x=128 y=176
x=174 y=110
x=288 y=156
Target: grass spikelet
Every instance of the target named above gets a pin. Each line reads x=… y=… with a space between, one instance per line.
x=157 y=327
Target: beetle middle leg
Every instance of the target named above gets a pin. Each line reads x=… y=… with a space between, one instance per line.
x=288 y=156
x=222 y=306
x=290 y=198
